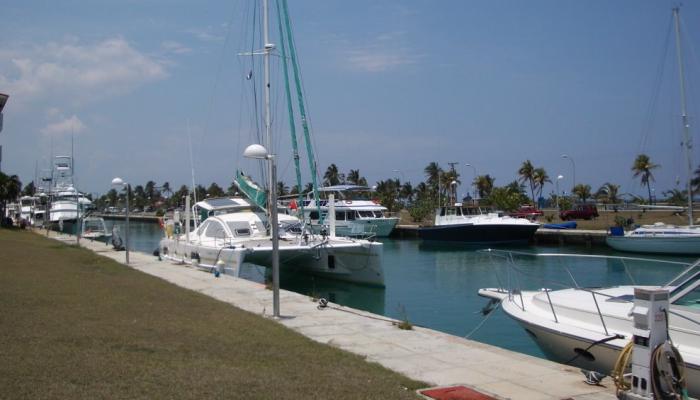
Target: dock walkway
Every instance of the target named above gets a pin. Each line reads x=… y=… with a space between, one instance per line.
x=422 y=354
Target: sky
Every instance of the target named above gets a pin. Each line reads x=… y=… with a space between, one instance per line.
x=157 y=90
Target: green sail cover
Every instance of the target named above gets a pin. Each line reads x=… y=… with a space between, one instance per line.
x=254 y=192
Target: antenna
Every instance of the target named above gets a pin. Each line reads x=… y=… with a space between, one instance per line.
x=189 y=136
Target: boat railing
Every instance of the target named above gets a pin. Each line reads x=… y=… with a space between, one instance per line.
x=513 y=287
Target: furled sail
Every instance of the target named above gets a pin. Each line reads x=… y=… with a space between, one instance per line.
x=254 y=192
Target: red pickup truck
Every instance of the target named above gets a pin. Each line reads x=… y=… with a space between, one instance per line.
x=528 y=212
x=580 y=211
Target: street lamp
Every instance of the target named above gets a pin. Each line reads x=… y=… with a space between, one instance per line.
x=119 y=182
x=560 y=177
x=259 y=152
x=3 y=101
x=473 y=180
x=573 y=165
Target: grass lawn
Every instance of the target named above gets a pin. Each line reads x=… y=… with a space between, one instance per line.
x=77 y=325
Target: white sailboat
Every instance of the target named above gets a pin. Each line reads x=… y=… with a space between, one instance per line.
x=237 y=230
x=665 y=238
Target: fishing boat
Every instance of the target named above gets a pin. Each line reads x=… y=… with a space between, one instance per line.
x=67 y=204
x=237 y=230
x=665 y=238
x=356 y=213
x=588 y=327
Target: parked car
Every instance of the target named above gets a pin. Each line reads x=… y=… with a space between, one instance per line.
x=580 y=211
x=527 y=211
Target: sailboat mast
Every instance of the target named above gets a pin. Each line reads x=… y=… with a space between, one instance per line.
x=684 y=114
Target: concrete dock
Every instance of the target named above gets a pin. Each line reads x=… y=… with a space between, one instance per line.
x=422 y=354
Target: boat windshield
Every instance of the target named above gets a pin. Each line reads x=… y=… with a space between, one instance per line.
x=687 y=287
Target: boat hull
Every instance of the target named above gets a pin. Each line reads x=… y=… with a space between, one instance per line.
x=362 y=228
x=656 y=245
x=347 y=261
x=479 y=234
x=561 y=347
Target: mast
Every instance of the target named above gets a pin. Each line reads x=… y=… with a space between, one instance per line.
x=684 y=115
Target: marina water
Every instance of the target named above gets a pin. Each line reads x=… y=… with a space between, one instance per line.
x=435 y=285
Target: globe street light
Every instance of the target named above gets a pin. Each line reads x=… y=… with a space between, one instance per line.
x=560 y=177
x=259 y=152
x=119 y=182
x=573 y=165
x=473 y=180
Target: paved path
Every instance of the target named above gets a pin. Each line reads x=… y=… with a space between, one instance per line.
x=422 y=354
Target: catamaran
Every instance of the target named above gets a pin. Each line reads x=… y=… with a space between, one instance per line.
x=236 y=230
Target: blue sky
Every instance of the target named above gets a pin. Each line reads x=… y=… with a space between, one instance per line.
x=390 y=85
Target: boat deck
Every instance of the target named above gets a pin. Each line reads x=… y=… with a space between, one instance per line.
x=423 y=354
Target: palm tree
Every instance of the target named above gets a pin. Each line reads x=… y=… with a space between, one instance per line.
x=484 y=185
x=29 y=190
x=167 y=190
x=540 y=177
x=422 y=191
x=282 y=189
x=642 y=168
x=354 y=176
x=676 y=197
x=608 y=193
x=527 y=174
x=215 y=190
x=433 y=173
x=695 y=183
x=331 y=177
x=10 y=188
x=583 y=191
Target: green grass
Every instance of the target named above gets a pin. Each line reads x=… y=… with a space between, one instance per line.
x=77 y=325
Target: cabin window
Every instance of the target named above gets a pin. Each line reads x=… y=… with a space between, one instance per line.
x=313 y=215
x=379 y=214
x=215 y=230
x=340 y=215
x=459 y=211
x=351 y=215
x=366 y=214
x=239 y=228
x=442 y=211
x=202 y=228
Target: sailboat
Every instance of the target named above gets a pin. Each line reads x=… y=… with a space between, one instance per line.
x=660 y=237
x=237 y=230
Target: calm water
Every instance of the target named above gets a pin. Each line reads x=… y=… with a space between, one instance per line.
x=436 y=285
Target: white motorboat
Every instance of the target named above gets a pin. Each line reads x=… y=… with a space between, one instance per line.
x=233 y=232
x=588 y=327
x=475 y=226
x=356 y=213
x=94 y=228
x=658 y=238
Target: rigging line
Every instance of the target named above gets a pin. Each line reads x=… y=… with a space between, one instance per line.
x=217 y=78
x=658 y=79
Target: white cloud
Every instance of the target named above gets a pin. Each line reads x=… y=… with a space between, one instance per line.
x=76 y=72
x=175 y=47
x=384 y=52
x=72 y=124
x=205 y=34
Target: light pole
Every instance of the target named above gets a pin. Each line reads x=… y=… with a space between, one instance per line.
x=259 y=152
x=473 y=180
x=560 y=177
x=119 y=182
x=3 y=100
x=573 y=165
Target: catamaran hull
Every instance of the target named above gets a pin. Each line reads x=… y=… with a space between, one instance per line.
x=657 y=244
x=350 y=263
x=479 y=234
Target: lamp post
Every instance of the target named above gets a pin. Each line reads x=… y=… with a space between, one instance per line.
x=259 y=152
x=119 y=182
x=573 y=165
x=560 y=177
x=473 y=180
x=3 y=100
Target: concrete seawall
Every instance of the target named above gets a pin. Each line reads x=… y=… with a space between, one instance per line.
x=423 y=354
